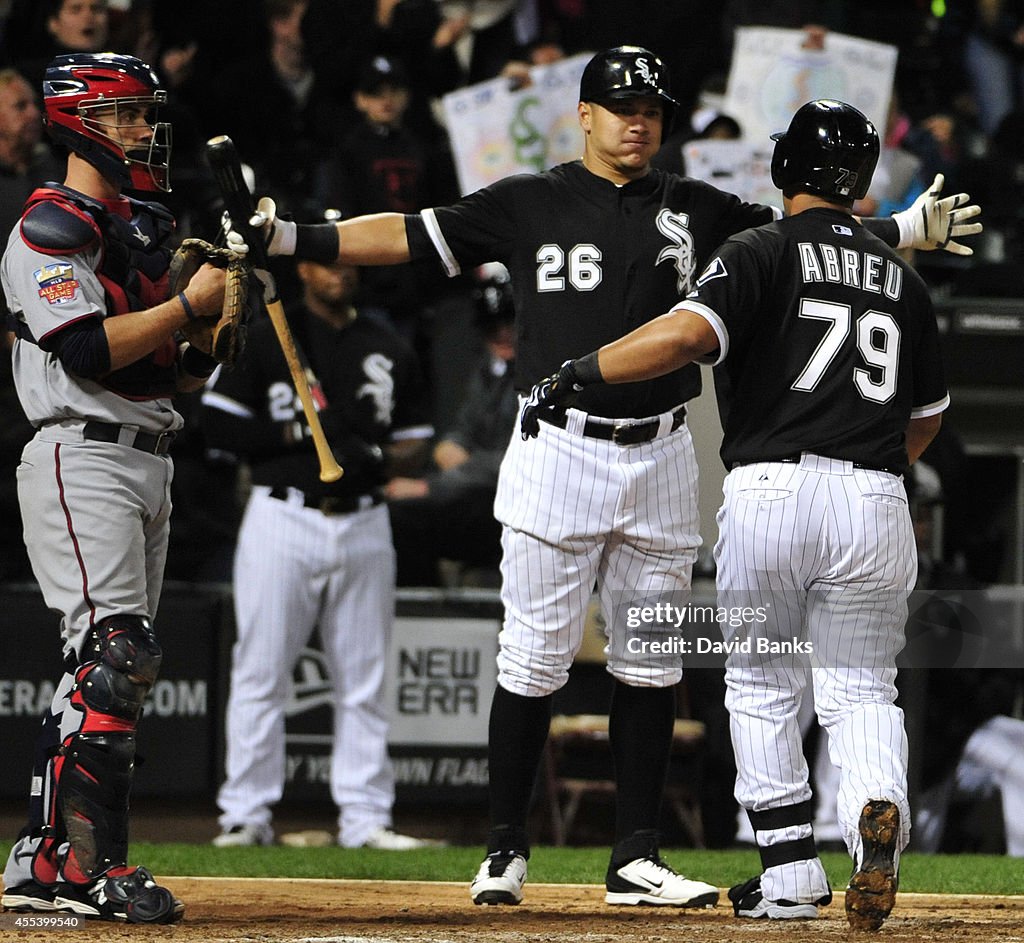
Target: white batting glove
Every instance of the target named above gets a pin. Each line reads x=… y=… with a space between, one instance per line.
x=279 y=233
x=933 y=223
x=234 y=242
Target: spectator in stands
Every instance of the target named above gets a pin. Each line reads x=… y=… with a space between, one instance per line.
x=381 y=166
x=706 y=122
x=283 y=122
x=66 y=26
x=413 y=31
x=449 y=513
x=994 y=60
x=26 y=161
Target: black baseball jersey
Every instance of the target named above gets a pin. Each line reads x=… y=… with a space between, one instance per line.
x=369 y=390
x=828 y=342
x=590 y=261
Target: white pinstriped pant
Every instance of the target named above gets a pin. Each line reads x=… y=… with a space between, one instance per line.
x=295 y=569
x=577 y=511
x=828 y=550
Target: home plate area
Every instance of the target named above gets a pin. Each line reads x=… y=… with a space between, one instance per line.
x=278 y=910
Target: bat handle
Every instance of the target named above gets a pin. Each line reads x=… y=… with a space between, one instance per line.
x=330 y=470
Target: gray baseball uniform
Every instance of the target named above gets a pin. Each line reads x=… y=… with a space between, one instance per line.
x=94 y=482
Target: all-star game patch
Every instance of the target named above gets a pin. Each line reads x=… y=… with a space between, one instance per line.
x=57 y=283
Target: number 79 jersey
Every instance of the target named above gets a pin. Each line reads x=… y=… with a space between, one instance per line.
x=828 y=343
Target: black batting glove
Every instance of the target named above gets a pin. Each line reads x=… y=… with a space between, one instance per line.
x=559 y=389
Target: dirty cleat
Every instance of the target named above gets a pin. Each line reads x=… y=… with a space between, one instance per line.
x=126 y=894
x=500 y=879
x=30 y=897
x=871 y=893
x=650 y=881
x=748 y=901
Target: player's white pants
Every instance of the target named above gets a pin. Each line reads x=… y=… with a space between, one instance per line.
x=578 y=511
x=994 y=756
x=296 y=568
x=828 y=551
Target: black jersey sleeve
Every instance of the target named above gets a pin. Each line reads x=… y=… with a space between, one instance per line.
x=733 y=215
x=481 y=227
x=730 y=290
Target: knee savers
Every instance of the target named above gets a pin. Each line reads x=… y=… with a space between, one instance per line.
x=118 y=665
x=93 y=768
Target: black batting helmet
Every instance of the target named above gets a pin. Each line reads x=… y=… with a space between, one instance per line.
x=78 y=86
x=627 y=72
x=830 y=149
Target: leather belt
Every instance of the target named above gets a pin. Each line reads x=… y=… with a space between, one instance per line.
x=627 y=432
x=797 y=459
x=156 y=443
x=341 y=504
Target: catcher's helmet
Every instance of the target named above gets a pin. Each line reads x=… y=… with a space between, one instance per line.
x=830 y=149
x=627 y=72
x=78 y=85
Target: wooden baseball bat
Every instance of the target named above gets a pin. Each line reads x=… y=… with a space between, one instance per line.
x=227 y=171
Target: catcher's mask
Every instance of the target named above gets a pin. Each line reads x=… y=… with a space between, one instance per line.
x=77 y=87
x=627 y=72
x=830 y=149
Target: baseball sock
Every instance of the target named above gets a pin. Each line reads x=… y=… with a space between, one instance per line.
x=516 y=735
x=640 y=730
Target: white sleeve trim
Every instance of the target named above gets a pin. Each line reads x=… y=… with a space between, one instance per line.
x=448 y=259
x=905 y=224
x=216 y=400
x=717 y=325
x=412 y=432
x=932 y=409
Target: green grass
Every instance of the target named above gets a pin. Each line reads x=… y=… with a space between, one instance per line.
x=946 y=874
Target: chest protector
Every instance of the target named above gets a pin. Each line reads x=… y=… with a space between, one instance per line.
x=132 y=268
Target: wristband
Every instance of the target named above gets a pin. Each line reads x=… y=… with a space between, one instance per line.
x=891 y=231
x=317 y=242
x=588 y=370
x=198 y=364
x=189 y=313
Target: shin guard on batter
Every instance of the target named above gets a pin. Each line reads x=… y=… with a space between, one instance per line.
x=93 y=767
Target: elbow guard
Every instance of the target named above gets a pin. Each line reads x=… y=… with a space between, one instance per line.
x=83 y=349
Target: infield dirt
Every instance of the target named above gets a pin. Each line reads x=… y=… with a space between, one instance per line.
x=288 y=911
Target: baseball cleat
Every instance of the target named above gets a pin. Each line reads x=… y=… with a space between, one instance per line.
x=871 y=893
x=127 y=894
x=385 y=839
x=748 y=901
x=500 y=879
x=245 y=836
x=651 y=881
x=29 y=897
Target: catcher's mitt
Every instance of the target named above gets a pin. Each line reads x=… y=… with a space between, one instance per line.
x=224 y=337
